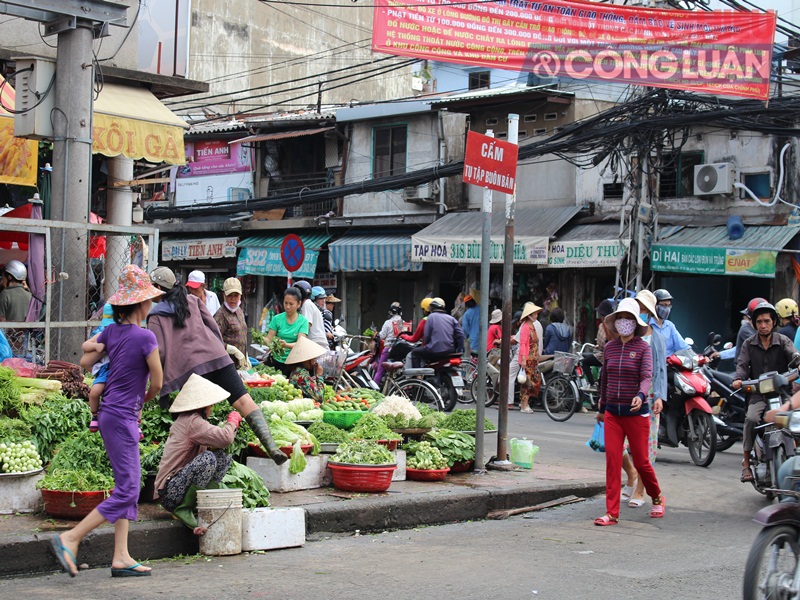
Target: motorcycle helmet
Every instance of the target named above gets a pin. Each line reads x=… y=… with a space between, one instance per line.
x=17 y=270
x=425 y=303
x=662 y=294
x=762 y=308
x=318 y=292
x=436 y=303
x=304 y=287
x=786 y=308
x=752 y=305
x=395 y=309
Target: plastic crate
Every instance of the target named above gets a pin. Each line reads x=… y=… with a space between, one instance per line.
x=564 y=362
x=343 y=419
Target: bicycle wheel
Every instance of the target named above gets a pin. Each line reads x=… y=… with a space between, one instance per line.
x=469 y=372
x=420 y=392
x=491 y=393
x=560 y=398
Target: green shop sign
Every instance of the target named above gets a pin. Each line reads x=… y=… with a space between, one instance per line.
x=713 y=261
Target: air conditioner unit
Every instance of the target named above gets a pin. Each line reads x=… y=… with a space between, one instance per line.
x=714 y=178
x=418 y=193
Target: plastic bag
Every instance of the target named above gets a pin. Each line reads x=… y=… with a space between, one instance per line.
x=598 y=440
x=5 y=347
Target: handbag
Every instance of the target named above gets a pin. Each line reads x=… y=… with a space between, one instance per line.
x=597 y=442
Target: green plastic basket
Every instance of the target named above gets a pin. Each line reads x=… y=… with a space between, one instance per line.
x=343 y=419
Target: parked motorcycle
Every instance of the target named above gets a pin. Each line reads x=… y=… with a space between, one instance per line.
x=446 y=377
x=773 y=443
x=730 y=408
x=771 y=568
x=688 y=418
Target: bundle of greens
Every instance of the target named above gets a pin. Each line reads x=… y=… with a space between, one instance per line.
x=150 y=456
x=257 y=336
x=373 y=427
x=35 y=391
x=10 y=403
x=454 y=445
x=297 y=461
x=254 y=492
x=156 y=422
x=426 y=457
x=56 y=420
x=465 y=420
x=80 y=465
x=327 y=433
x=286 y=433
x=244 y=435
x=14 y=430
x=363 y=452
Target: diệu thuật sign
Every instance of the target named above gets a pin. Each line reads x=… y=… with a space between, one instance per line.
x=490 y=163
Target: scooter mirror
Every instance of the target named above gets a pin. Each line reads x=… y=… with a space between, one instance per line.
x=717 y=340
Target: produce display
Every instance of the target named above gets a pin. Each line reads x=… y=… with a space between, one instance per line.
x=373 y=427
x=14 y=430
x=426 y=457
x=286 y=433
x=19 y=457
x=355 y=399
x=80 y=465
x=299 y=409
x=55 y=420
x=465 y=420
x=363 y=452
x=456 y=447
x=397 y=406
x=69 y=375
x=280 y=389
x=254 y=492
x=327 y=433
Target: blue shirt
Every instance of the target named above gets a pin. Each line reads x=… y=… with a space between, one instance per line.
x=471 y=324
x=673 y=341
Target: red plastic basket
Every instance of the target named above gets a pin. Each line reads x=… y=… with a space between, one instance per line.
x=426 y=474
x=462 y=467
x=287 y=450
x=390 y=444
x=71 y=505
x=362 y=478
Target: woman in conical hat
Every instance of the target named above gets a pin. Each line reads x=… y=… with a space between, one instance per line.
x=307 y=373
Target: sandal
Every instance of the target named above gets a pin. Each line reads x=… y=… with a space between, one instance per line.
x=526 y=410
x=747 y=475
x=657 y=511
x=606 y=520
x=636 y=502
x=627 y=492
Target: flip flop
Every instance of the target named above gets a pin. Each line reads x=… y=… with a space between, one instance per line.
x=606 y=520
x=657 y=511
x=129 y=572
x=627 y=492
x=636 y=502
x=747 y=476
x=59 y=550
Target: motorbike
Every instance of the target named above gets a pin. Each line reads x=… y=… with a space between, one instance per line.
x=688 y=418
x=729 y=409
x=771 y=568
x=773 y=443
x=446 y=376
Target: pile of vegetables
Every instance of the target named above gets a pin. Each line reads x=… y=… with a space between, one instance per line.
x=456 y=447
x=80 y=465
x=426 y=457
x=72 y=382
x=465 y=420
x=55 y=420
x=14 y=430
x=373 y=427
x=257 y=336
x=428 y=418
x=286 y=433
x=397 y=406
x=327 y=433
x=254 y=492
x=280 y=389
x=299 y=409
x=19 y=457
x=363 y=452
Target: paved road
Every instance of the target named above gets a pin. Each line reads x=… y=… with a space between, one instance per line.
x=697 y=551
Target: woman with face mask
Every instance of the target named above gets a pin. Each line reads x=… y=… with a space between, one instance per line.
x=660 y=322
x=625 y=383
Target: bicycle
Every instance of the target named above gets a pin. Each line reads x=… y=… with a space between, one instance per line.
x=568 y=387
x=405 y=383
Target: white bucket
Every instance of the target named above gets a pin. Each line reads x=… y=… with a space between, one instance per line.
x=220 y=511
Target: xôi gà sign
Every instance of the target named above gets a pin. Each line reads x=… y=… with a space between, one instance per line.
x=602 y=253
x=490 y=163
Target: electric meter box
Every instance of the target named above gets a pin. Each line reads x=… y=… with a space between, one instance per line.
x=35 y=87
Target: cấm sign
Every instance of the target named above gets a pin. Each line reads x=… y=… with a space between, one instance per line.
x=490 y=163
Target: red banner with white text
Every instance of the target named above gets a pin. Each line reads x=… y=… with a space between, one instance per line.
x=721 y=52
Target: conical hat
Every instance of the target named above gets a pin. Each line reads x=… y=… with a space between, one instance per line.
x=197 y=392
x=304 y=349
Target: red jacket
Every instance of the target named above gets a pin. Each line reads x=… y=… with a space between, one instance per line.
x=418 y=333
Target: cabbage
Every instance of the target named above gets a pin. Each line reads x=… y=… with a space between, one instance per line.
x=311 y=415
x=297 y=463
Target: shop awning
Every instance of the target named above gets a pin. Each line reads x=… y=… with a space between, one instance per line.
x=261 y=255
x=709 y=250
x=280 y=135
x=132 y=122
x=456 y=237
x=592 y=245
x=372 y=253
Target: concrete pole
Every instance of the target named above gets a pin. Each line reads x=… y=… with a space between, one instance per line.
x=119 y=211
x=508 y=288
x=480 y=403
x=72 y=155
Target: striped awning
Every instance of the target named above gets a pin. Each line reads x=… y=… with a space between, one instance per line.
x=261 y=255
x=372 y=253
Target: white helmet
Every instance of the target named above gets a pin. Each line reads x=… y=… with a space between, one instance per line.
x=17 y=270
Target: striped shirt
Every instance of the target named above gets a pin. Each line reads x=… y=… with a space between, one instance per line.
x=627 y=372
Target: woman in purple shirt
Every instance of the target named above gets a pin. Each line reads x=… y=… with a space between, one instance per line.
x=133 y=359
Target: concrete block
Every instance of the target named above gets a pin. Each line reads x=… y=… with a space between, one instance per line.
x=278 y=479
x=273 y=528
x=18 y=493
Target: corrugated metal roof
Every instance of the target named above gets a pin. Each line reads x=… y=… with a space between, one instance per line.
x=756 y=237
x=312 y=241
x=589 y=232
x=528 y=221
x=372 y=253
x=510 y=90
x=280 y=135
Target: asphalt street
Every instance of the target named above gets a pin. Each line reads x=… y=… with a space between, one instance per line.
x=697 y=551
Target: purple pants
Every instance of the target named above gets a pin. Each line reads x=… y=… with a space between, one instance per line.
x=379 y=369
x=121 y=437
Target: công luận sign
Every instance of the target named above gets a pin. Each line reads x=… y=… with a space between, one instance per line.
x=490 y=163
x=721 y=52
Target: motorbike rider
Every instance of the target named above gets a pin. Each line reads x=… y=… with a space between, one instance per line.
x=443 y=335
x=672 y=339
x=419 y=332
x=391 y=330
x=787 y=311
x=746 y=329
x=761 y=353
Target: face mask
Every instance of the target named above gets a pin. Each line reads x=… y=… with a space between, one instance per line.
x=625 y=327
x=645 y=317
x=663 y=311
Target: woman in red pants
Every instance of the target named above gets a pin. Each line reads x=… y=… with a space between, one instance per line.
x=624 y=406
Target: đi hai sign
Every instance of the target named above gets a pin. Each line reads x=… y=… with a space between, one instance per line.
x=713 y=261
x=490 y=163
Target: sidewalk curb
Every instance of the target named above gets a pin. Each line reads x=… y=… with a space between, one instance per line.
x=28 y=554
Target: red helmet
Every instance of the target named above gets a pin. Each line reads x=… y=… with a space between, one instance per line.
x=752 y=305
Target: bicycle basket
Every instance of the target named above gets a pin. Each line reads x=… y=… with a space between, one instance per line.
x=332 y=363
x=564 y=362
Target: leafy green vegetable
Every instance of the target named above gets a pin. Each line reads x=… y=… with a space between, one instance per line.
x=327 y=433
x=465 y=420
x=454 y=445
x=373 y=427
x=80 y=465
x=56 y=420
x=254 y=493
x=150 y=456
x=156 y=422
x=14 y=430
x=257 y=336
x=363 y=452
x=286 y=433
x=426 y=457
x=297 y=462
x=10 y=403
